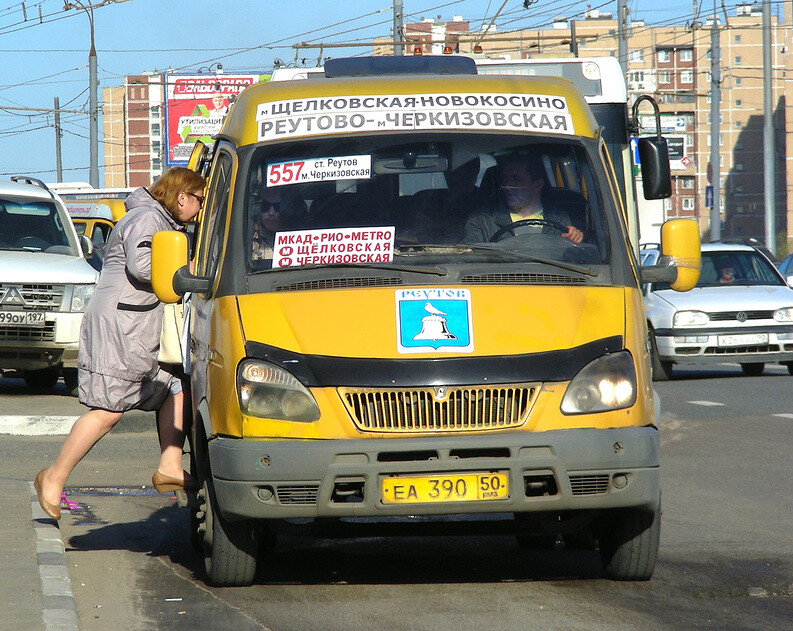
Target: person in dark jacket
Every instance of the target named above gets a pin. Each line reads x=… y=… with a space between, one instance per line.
x=120 y=338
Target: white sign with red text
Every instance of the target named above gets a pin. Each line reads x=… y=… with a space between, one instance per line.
x=333 y=246
x=319 y=170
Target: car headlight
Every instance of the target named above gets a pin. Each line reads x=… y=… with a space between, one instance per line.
x=690 y=318
x=267 y=391
x=81 y=294
x=607 y=383
x=784 y=315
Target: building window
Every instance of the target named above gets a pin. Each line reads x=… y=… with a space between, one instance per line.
x=688 y=203
x=686 y=54
x=637 y=77
x=155 y=112
x=687 y=183
x=689 y=140
x=738 y=102
x=663 y=55
x=155 y=129
x=636 y=56
x=721 y=117
x=664 y=76
x=737 y=61
x=155 y=146
x=686 y=76
x=738 y=146
x=737 y=81
x=739 y=188
x=156 y=164
x=739 y=167
x=737 y=39
x=738 y=124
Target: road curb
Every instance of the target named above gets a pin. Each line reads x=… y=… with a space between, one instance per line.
x=60 y=608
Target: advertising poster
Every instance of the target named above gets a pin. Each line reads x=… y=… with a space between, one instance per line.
x=195 y=106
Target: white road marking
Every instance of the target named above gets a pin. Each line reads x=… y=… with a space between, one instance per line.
x=36 y=425
x=784 y=415
x=706 y=403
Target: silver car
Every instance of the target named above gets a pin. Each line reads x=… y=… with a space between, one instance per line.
x=740 y=311
x=45 y=284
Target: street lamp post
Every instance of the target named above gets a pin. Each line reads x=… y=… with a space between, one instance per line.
x=93 y=108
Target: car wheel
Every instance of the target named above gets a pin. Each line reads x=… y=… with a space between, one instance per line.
x=628 y=540
x=662 y=370
x=754 y=369
x=70 y=381
x=45 y=378
x=230 y=548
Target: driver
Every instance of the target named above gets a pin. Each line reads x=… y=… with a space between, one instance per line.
x=522 y=180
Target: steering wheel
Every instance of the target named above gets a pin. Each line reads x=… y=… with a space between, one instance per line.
x=527 y=222
x=32 y=242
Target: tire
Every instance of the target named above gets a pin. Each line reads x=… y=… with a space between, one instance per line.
x=628 y=540
x=662 y=370
x=789 y=366
x=44 y=378
x=230 y=548
x=70 y=381
x=754 y=369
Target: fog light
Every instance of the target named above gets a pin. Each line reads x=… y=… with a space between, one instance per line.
x=620 y=481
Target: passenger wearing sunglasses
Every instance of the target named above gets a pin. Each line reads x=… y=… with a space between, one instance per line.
x=273 y=209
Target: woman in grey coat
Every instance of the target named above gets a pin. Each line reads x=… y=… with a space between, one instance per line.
x=120 y=338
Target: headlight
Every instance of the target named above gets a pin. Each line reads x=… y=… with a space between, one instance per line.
x=81 y=294
x=267 y=391
x=690 y=318
x=784 y=315
x=607 y=383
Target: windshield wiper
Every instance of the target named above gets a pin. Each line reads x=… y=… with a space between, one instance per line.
x=463 y=247
x=436 y=271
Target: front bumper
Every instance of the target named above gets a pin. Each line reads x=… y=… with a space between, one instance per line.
x=576 y=469
x=709 y=346
x=35 y=348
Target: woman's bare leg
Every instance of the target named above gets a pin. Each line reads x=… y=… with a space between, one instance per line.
x=85 y=433
x=171 y=425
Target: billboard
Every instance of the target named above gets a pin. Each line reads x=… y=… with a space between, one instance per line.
x=195 y=106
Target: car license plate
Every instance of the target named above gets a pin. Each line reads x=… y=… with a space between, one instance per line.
x=429 y=489
x=743 y=339
x=22 y=318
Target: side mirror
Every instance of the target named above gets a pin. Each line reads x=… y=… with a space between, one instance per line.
x=680 y=259
x=653 y=156
x=86 y=245
x=656 y=173
x=170 y=276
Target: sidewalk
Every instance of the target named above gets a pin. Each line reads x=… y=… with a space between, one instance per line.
x=34 y=581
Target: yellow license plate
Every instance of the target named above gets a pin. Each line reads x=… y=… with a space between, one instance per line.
x=428 y=489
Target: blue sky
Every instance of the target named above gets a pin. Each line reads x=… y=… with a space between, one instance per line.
x=49 y=58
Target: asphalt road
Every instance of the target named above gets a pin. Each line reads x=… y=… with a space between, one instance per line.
x=726 y=559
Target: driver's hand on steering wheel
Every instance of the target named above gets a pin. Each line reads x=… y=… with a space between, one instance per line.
x=573 y=234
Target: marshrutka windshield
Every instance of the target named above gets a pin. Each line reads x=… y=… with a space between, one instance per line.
x=428 y=199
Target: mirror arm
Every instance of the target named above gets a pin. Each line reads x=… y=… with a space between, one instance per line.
x=184 y=281
x=665 y=271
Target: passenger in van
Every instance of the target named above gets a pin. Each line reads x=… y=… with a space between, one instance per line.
x=273 y=209
x=521 y=181
x=119 y=340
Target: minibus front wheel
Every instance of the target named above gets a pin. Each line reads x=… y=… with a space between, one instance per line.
x=628 y=539
x=229 y=548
